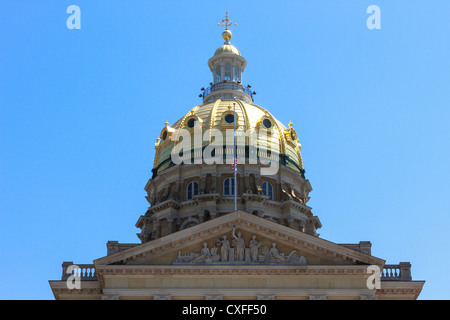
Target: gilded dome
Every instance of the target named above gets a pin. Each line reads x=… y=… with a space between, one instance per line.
x=217 y=115
x=227 y=48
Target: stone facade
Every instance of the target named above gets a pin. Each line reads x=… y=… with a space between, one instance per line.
x=154 y=270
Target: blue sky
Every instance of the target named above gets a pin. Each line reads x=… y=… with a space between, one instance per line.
x=80 y=111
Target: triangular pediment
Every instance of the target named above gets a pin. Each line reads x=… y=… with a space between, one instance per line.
x=239 y=238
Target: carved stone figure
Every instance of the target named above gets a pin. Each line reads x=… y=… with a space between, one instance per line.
x=224 y=248
x=294 y=258
x=214 y=256
x=204 y=254
x=254 y=248
x=223 y=253
x=275 y=254
x=239 y=246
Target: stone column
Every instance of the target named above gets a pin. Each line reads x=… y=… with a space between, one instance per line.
x=202 y=184
x=212 y=212
x=290 y=221
x=310 y=227
x=247 y=183
x=157 y=226
x=213 y=187
x=201 y=215
x=170 y=226
x=301 y=225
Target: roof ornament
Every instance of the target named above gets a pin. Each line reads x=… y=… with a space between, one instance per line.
x=226 y=35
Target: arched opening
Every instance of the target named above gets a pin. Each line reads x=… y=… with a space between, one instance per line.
x=218 y=76
x=237 y=74
x=191 y=190
x=267 y=189
x=228 y=187
x=227 y=75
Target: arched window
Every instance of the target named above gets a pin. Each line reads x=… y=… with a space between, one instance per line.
x=237 y=74
x=267 y=190
x=228 y=187
x=191 y=190
x=218 y=74
x=227 y=75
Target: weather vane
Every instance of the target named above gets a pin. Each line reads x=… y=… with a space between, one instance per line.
x=226 y=22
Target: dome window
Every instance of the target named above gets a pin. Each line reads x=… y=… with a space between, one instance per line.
x=293 y=137
x=267 y=123
x=229 y=118
x=164 y=135
x=191 y=123
x=191 y=190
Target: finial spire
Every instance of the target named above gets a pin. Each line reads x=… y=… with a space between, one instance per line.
x=226 y=22
x=226 y=35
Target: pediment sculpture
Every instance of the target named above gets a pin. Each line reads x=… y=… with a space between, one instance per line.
x=236 y=252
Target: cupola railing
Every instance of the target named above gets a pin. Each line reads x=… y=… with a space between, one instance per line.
x=227 y=85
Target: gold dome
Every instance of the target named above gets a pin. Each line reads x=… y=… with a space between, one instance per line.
x=227 y=48
x=249 y=116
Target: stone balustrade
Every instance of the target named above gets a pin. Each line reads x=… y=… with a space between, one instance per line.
x=396 y=272
x=85 y=272
x=390 y=272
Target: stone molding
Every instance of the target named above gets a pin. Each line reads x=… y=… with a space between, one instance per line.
x=247 y=222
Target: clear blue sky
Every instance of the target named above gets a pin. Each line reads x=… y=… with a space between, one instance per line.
x=80 y=111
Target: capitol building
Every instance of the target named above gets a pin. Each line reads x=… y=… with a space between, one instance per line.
x=224 y=226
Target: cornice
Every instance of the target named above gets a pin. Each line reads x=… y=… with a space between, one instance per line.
x=272 y=230
x=242 y=270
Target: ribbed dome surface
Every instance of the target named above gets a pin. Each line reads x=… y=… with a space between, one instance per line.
x=227 y=48
x=249 y=116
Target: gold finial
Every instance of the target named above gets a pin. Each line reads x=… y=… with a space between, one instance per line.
x=226 y=22
x=226 y=35
x=290 y=124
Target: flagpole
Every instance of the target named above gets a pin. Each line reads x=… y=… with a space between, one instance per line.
x=234 y=159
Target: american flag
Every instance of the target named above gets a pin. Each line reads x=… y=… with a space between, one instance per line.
x=234 y=165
